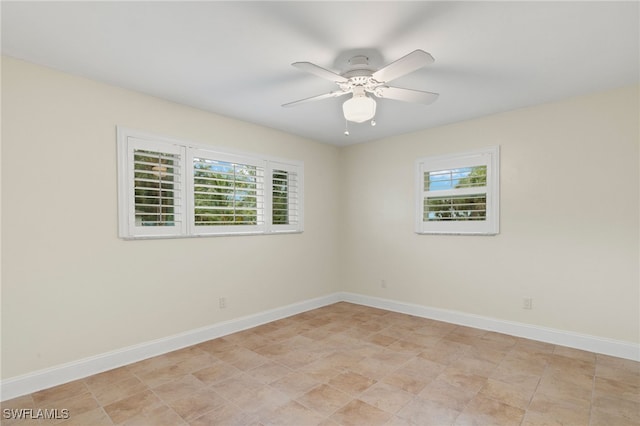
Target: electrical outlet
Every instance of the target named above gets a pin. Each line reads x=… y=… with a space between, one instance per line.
x=223 y=302
x=527 y=303
x=383 y=283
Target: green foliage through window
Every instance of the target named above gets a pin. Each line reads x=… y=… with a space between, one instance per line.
x=463 y=207
x=455 y=207
x=155 y=176
x=225 y=193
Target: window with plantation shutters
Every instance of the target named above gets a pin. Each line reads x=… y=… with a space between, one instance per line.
x=170 y=188
x=458 y=194
x=151 y=189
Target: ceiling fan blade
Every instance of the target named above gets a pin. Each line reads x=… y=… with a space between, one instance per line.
x=319 y=71
x=405 y=65
x=316 y=98
x=406 y=95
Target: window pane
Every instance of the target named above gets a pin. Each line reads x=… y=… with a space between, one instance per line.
x=464 y=177
x=225 y=193
x=156 y=178
x=457 y=208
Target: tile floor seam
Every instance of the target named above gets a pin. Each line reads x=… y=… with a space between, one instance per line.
x=327 y=416
x=210 y=411
x=95 y=397
x=200 y=416
x=107 y=415
x=166 y=403
x=593 y=391
x=98 y=402
x=531 y=397
x=466 y=404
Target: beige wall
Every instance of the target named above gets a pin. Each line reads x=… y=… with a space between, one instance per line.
x=71 y=289
x=569 y=219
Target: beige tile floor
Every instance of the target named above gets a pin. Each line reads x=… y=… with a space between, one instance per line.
x=347 y=364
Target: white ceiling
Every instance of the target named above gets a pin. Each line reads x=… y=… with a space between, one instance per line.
x=233 y=58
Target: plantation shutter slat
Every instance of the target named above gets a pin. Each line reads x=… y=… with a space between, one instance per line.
x=473 y=207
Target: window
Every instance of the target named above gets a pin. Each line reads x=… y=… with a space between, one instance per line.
x=171 y=188
x=458 y=194
x=286 y=201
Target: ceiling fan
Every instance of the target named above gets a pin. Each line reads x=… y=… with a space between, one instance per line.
x=360 y=80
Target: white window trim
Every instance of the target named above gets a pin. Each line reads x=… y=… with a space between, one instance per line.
x=490 y=157
x=127 y=229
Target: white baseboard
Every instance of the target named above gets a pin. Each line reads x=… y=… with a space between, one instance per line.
x=64 y=373
x=616 y=348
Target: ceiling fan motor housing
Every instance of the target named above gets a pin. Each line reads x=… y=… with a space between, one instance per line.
x=359 y=75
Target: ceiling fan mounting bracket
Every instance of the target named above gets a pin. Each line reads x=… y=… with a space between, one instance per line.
x=358 y=67
x=359 y=60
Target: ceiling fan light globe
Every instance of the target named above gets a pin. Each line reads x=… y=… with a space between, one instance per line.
x=359 y=109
